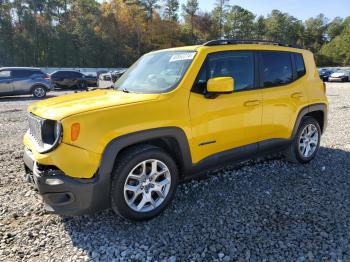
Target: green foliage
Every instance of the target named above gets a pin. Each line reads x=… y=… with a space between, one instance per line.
x=87 y=33
x=170 y=10
x=337 y=51
x=239 y=23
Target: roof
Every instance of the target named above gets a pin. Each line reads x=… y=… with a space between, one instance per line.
x=16 y=67
x=246 y=41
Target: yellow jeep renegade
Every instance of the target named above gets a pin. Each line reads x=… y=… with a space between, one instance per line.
x=173 y=114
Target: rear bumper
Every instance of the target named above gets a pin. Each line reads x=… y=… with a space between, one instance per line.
x=65 y=195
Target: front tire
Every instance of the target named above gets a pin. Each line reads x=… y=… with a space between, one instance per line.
x=82 y=85
x=144 y=182
x=306 y=142
x=39 y=91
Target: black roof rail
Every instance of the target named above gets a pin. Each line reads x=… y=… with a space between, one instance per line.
x=242 y=41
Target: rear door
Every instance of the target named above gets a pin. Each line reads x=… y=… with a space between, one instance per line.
x=283 y=93
x=6 y=86
x=76 y=78
x=22 y=80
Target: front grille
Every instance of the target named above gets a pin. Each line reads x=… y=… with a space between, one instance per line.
x=35 y=128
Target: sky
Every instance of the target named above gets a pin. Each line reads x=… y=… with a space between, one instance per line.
x=301 y=9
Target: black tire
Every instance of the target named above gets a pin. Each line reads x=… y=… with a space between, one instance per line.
x=130 y=158
x=293 y=153
x=82 y=85
x=39 y=91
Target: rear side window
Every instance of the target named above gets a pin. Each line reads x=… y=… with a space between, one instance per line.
x=236 y=64
x=24 y=73
x=276 y=68
x=75 y=74
x=299 y=65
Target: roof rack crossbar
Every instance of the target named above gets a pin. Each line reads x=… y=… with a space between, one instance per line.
x=242 y=41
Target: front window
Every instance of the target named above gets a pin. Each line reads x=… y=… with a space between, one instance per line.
x=157 y=72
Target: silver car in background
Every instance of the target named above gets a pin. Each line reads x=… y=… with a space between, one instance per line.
x=24 y=80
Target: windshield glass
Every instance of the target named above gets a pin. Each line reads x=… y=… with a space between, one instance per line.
x=156 y=72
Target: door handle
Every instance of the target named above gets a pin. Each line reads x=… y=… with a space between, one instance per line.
x=252 y=103
x=297 y=95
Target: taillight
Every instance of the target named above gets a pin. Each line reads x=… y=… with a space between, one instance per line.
x=46 y=77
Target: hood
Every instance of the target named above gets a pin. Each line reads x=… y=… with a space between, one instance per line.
x=60 y=107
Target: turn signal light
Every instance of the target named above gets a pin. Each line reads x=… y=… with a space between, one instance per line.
x=74 y=131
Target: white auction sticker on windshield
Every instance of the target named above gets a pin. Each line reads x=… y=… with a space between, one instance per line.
x=183 y=56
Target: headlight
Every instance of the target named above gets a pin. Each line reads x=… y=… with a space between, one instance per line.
x=47 y=134
x=51 y=135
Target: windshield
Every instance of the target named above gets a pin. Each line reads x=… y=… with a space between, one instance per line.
x=156 y=72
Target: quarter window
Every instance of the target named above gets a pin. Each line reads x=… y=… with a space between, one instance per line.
x=299 y=64
x=236 y=64
x=5 y=74
x=276 y=68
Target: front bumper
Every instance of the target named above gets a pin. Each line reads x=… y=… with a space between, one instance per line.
x=337 y=79
x=65 y=195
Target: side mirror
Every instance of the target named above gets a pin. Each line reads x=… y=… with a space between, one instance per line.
x=220 y=85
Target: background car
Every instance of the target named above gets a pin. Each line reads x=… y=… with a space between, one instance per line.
x=66 y=79
x=340 y=76
x=108 y=79
x=99 y=72
x=115 y=75
x=24 y=80
x=324 y=74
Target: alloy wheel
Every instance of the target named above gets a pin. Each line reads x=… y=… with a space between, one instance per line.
x=147 y=185
x=308 y=140
x=39 y=92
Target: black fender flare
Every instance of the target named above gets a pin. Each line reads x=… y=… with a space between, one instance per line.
x=113 y=148
x=308 y=109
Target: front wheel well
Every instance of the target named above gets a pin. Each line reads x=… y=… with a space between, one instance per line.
x=169 y=144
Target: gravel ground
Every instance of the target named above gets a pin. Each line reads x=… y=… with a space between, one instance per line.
x=260 y=211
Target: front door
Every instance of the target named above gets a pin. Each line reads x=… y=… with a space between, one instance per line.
x=228 y=121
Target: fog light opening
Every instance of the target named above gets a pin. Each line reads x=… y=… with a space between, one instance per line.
x=53 y=181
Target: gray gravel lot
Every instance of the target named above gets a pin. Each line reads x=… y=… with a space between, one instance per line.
x=259 y=211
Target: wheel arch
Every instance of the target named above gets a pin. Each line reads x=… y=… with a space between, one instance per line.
x=36 y=85
x=171 y=139
x=317 y=111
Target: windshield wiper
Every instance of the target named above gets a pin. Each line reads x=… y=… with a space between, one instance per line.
x=125 y=90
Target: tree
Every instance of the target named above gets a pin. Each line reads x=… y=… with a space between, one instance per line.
x=150 y=6
x=315 y=29
x=335 y=28
x=260 y=28
x=282 y=27
x=239 y=23
x=171 y=7
x=190 y=9
x=6 y=33
x=336 y=52
x=219 y=13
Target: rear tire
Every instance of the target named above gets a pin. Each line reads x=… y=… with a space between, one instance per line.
x=306 y=142
x=39 y=91
x=144 y=182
